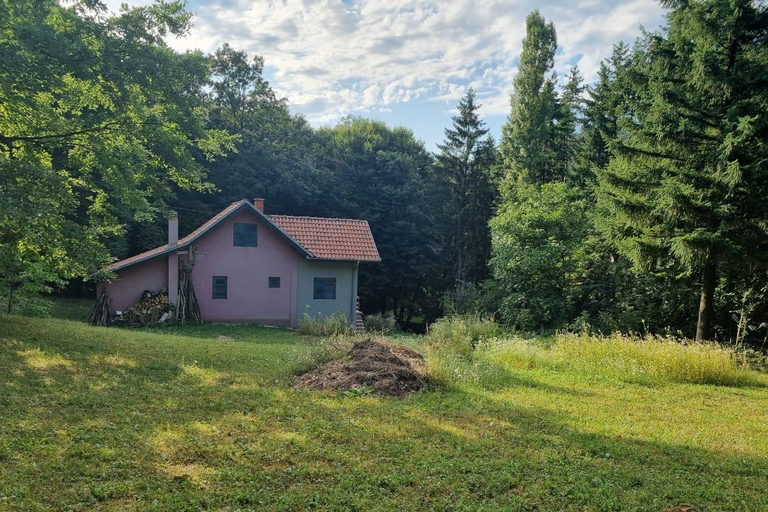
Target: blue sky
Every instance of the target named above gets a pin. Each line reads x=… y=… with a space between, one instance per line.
x=404 y=62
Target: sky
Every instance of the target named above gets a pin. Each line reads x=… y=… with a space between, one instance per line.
x=406 y=63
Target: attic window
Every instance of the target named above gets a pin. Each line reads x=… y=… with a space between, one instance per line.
x=245 y=235
x=274 y=282
x=325 y=288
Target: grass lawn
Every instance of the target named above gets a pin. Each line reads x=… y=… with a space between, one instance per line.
x=206 y=419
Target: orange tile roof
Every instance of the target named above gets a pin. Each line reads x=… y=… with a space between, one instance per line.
x=320 y=238
x=331 y=239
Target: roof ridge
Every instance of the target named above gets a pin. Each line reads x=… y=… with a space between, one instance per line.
x=316 y=218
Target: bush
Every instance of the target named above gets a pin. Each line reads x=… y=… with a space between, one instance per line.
x=461 y=334
x=380 y=324
x=473 y=300
x=323 y=325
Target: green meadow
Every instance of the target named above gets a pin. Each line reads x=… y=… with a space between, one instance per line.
x=207 y=418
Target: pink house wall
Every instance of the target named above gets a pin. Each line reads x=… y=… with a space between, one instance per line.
x=126 y=290
x=248 y=269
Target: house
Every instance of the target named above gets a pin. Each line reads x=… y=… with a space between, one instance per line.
x=247 y=266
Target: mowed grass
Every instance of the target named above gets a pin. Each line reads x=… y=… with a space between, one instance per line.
x=206 y=418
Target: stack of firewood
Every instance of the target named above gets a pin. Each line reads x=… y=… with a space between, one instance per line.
x=151 y=310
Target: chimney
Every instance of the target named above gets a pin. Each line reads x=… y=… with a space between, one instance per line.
x=259 y=204
x=173 y=228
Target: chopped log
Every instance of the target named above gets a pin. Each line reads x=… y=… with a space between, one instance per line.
x=148 y=311
x=100 y=312
x=188 y=309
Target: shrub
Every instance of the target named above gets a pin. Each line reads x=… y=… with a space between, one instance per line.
x=380 y=324
x=324 y=325
x=473 y=300
x=461 y=334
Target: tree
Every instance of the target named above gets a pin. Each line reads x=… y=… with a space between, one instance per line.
x=274 y=155
x=465 y=194
x=528 y=137
x=602 y=109
x=96 y=112
x=535 y=237
x=378 y=173
x=687 y=178
x=569 y=127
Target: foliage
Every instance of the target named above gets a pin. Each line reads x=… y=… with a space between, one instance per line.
x=472 y=299
x=537 y=236
x=325 y=325
x=463 y=195
x=644 y=360
x=687 y=176
x=274 y=156
x=652 y=359
x=528 y=141
x=98 y=114
x=378 y=173
x=380 y=323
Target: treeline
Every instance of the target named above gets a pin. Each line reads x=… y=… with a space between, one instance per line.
x=634 y=203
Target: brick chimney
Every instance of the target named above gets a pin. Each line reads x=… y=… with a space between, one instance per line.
x=259 y=204
x=173 y=228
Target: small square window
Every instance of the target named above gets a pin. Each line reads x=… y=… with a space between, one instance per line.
x=274 y=282
x=219 y=287
x=245 y=235
x=325 y=288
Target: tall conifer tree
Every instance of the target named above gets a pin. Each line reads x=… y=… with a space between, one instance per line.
x=688 y=176
x=528 y=137
x=568 y=126
x=463 y=175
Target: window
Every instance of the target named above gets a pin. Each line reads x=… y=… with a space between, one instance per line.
x=246 y=235
x=219 y=287
x=274 y=282
x=325 y=288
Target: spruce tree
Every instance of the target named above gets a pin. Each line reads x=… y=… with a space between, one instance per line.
x=463 y=180
x=528 y=137
x=569 y=126
x=688 y=177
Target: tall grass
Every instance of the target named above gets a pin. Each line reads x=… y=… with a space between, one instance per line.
x=460 y=353
x=325 y=325
x=653 y=358
x=461 y=334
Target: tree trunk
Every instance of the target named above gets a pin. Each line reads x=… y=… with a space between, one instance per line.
x=706 y=304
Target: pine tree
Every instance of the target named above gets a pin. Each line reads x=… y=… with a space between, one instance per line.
x=463 y=179
x=688 y=177
x=528 y=137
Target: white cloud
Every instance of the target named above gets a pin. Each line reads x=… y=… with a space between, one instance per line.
x=332 y=58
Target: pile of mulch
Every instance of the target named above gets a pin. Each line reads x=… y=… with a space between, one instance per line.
x=387 y=369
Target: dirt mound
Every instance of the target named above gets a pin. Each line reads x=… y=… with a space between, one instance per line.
x=386 y=368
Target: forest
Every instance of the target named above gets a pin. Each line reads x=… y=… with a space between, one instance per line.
x=637 y=203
